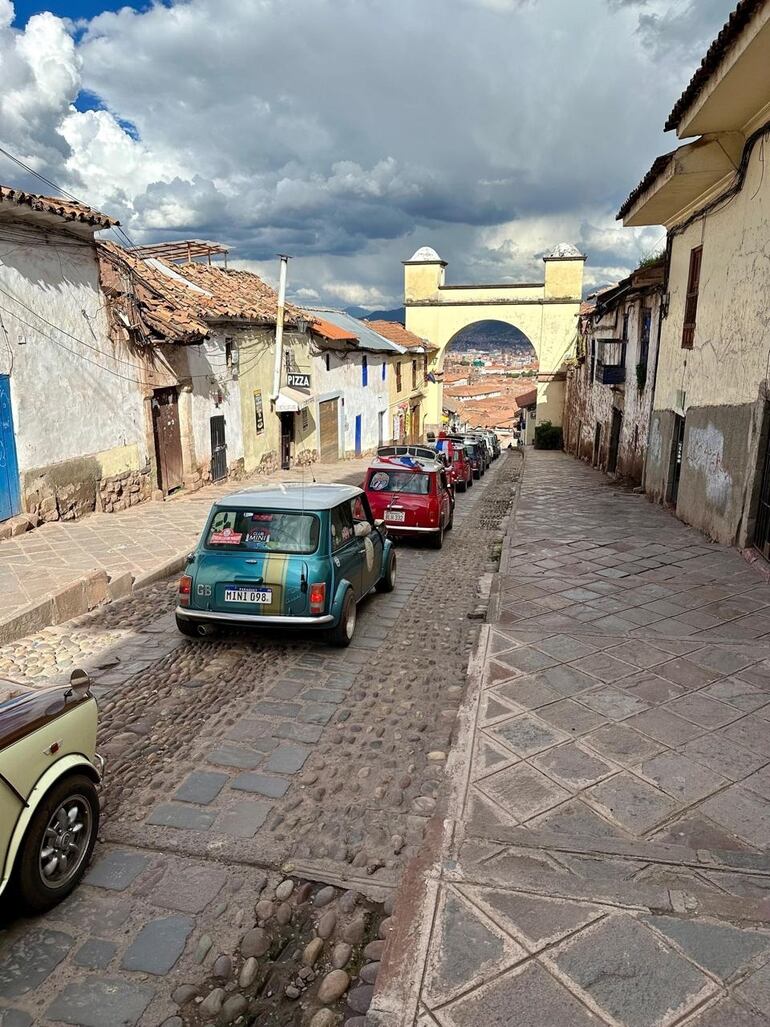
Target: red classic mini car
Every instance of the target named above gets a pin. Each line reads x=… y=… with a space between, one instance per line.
x=455 y=453
x=412 y=496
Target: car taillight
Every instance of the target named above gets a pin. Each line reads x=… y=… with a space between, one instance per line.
x=317 y=598
x=185 y=590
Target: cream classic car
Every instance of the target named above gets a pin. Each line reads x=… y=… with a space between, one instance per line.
x=49 y=806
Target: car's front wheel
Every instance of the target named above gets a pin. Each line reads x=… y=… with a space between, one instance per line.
x=462 y=486
x=59 y=841
x=342 y=633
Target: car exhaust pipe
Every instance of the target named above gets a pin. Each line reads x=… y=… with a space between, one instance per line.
x=204 y=630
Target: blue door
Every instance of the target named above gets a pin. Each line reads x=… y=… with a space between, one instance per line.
x=358 y=435
x=9 y=469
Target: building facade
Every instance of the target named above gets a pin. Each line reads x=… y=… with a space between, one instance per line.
x=708 y=447
x=71 y=412
x=610 y=387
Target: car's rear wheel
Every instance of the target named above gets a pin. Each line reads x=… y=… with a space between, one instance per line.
x=59 y=841
x=437 y=538
x=451 y=522
x=342 y=633
x=388 y=580
x=462 y=486
x=187 y=627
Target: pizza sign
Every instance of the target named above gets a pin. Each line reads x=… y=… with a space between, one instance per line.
x=298 y=380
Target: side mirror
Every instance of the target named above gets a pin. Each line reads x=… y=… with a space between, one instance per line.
x=80 y=685
x=362 y=529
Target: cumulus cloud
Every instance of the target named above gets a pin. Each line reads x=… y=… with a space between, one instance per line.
x=349 y=132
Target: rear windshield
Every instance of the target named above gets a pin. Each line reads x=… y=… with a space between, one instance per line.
x=265 y=531
x=406 y=482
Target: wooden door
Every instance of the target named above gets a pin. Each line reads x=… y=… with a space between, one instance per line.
x=328 y=424
x=9 y=472
x=168 y=439
x=617 y=424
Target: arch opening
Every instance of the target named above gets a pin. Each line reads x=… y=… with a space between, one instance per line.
x=487 y=365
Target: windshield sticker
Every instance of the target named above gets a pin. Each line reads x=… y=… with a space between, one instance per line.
x=226 y=537
x=262 y=517
x=258 y=536
x=379 y=481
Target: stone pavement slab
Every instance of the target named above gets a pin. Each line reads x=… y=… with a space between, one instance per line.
x=605 y=792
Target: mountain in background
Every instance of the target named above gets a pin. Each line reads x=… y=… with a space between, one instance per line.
x=377 y=315
x=491 y=335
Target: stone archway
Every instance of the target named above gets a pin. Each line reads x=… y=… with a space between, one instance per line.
x=546 y=312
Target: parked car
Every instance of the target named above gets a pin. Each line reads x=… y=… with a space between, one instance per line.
x=458 y=461
x=422 y=453
x=476 y=453
x=49 y=805
x=413 y=497
x=288 y=556
x=492 y=440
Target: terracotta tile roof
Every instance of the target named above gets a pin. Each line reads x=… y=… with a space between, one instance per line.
x=178 y=303
x=397 y=333
x=67 y=210
x=330 y=331
x=489 y=415
x=477 y=389
x=736 y=23
x=659 y=165
x=526 y=399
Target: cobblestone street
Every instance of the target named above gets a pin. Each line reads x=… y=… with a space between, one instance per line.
x=235 y=761
x=604 y=848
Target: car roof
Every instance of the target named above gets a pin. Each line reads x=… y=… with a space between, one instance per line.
x=395 y=464
x=292 y=495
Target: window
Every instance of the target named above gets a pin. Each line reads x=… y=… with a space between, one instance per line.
x=410 y=483
x=691 y=303
x=266 y=531
x=425 y=366
x=327 y=361
x=358 y=508
x=384 y=370
x=592 y=366
x=414 y=374
x=291 y=364
x=364 y=370
x=342 y=526
x=229 y=353
x=644 y=337
x=398 y=376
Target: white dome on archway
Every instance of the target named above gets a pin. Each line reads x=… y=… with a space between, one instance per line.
x=425 y=254
x=564 y=250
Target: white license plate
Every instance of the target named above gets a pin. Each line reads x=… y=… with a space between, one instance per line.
x=395 y=515
x=260 y=596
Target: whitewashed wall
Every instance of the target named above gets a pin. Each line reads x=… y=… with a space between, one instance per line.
x=74 y=393
x=210 y=377
x=344 y=379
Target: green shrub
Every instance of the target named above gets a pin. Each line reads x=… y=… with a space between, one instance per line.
x=547 y=436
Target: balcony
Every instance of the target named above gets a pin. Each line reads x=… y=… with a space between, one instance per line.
x=611 y=361
x=610 y=374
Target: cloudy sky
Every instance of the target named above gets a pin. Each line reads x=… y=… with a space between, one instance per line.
x=349 y=132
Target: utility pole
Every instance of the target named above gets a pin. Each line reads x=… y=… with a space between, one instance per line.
x=279 y=326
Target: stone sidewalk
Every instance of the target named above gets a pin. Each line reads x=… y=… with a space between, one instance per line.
x=64 y=568
x=601 y=854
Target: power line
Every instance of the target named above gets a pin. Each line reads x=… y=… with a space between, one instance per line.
x=117 y=229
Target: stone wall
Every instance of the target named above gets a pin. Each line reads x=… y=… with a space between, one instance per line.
x=124 y=490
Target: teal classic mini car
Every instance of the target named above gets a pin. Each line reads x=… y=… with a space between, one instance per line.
x=295 y=556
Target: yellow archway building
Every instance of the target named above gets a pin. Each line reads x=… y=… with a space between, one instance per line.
x=546 y=312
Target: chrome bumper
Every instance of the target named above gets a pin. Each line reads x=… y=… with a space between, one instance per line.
x=396 y=528
x=253 y=619
x=99 y=762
